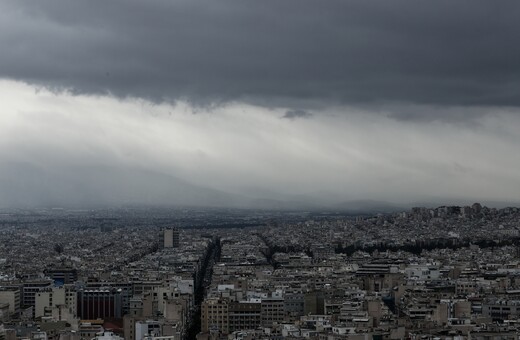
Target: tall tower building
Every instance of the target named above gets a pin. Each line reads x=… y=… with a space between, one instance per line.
x=176 y=238
x=171 y=238
x=168 y=238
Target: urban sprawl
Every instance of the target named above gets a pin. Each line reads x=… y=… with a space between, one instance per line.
x=142 y=274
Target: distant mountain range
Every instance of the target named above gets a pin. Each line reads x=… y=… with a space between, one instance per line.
x=27 y=185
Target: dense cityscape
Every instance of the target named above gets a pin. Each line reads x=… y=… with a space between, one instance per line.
x=259 y=170
x=155 y=273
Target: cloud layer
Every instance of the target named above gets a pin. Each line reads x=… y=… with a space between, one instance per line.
x=91 y=142
x=293 y=53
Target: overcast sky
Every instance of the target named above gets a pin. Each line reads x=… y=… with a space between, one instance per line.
x=331 y=101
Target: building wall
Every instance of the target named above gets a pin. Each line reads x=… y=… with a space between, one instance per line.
x=52 y=297
x=127 y=291
x=63 y=275
x=94 y=304
x=12 y=297
x=30 y=289
x=4 y=312
x=462 y=309
x=144 y=328
x=244 y=315
x=214 y=314
x=168 y=238
x=176 y=238
x=294 y=303
x=314 y=303
x=272 y=311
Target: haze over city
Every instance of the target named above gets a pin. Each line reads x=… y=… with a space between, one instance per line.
x=259 y=104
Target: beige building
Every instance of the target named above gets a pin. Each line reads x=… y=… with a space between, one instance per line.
x=11 y=295
x=215 y=315
x=4 y=312
x=50 y=298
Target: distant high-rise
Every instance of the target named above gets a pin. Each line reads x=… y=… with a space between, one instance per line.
x=176 y=238
x=171 y=238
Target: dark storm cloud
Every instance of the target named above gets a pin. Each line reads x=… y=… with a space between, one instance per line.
x=272 y=53
x=293 y=114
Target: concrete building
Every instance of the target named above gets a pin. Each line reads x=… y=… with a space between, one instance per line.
x=215 y=315
x=125 y=287
x=30 y=289
x=11 y=296
x=94 y=304
x=48 y=298
x=147 y=328
x=62 y=276
x=107 y=336
x=171 y=238
x=314 y=303
x=294 y=304
x=244 y=315
x=4 y=312
x=153 y=329
x=272 y=310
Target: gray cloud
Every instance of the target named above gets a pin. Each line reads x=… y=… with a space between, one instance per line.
x=62 y=149
x=293 y=53
x=293 y=114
